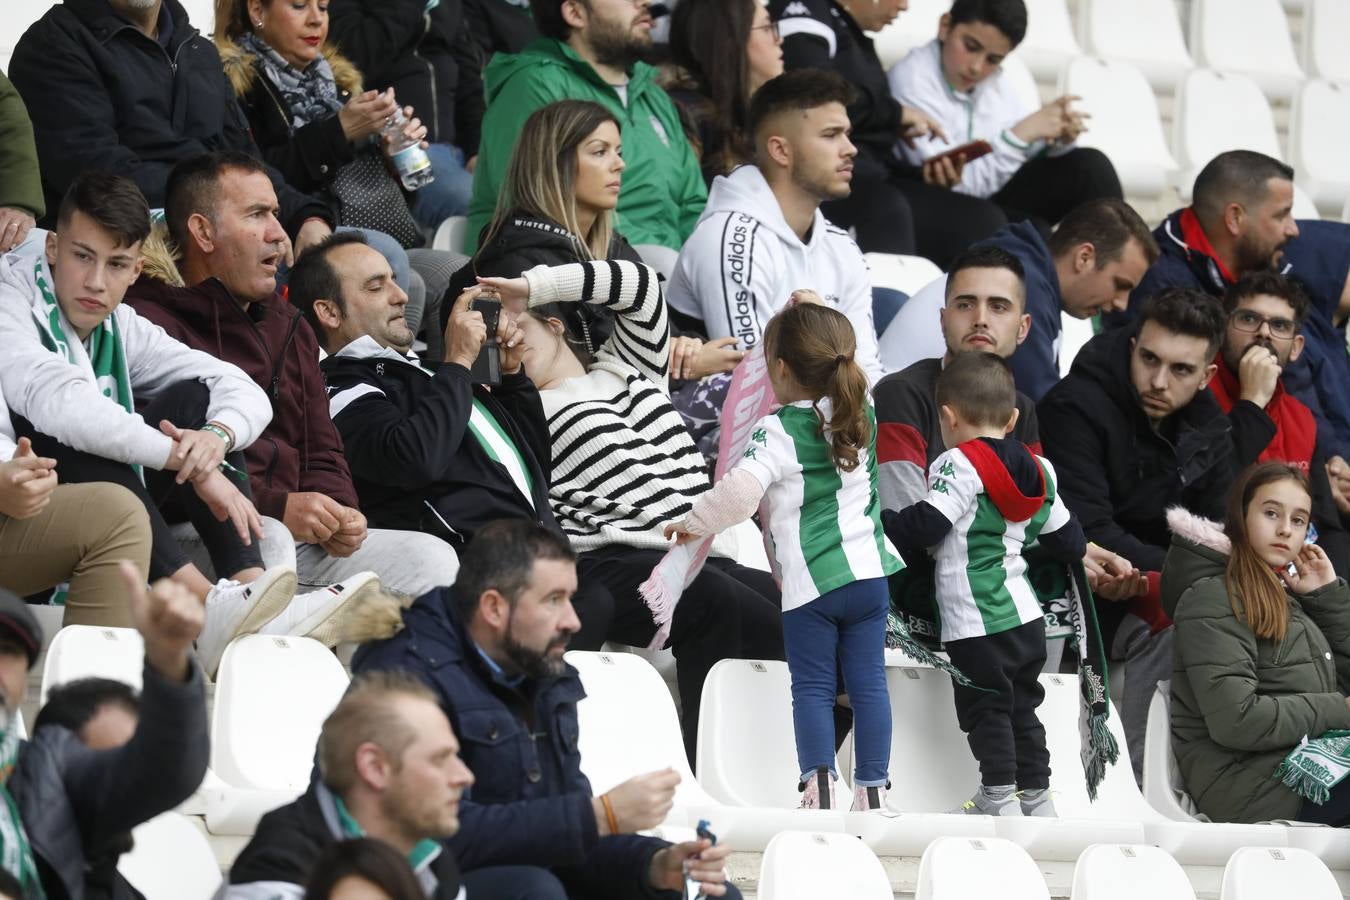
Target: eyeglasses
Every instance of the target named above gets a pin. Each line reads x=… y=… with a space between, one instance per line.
x=1251 y=322
x=771 y=28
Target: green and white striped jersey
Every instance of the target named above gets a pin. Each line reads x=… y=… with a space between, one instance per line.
x=825 y=524
x=982 y=588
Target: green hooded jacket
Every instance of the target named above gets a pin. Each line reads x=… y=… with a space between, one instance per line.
x=1241 y=703
x=20 y=183
x=663 y=192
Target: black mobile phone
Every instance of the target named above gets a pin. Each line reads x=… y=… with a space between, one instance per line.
x=487 y=368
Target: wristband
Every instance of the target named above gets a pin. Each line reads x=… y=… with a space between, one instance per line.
x=609 y=814
x=221 y=433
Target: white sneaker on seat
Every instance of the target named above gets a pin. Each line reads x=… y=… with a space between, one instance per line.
x=234 y=609
x=323 y=614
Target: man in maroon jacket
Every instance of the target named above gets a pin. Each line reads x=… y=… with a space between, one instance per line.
x=221 y=210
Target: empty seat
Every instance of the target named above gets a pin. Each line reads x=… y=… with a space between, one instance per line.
x=916 y=331
x=800 y=865
x=1125 y=124
x=171 y=860
x=1248 y=37
x=272 y=695
x=1259 y=873
x=84 y=651
x=906 y=274
x=914 y=27
x=1129 y=871
x=954 y=868
x=1074 y=333
x=1304 y=207
x=451 y=234
x=1216 y=112
x=1145 y=33
x=19 y=14
x=202 y=14
x=1319 y=133
x=1050 y=43
x=1325 y=25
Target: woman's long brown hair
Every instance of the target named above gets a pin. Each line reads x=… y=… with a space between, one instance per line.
x=1254 y=590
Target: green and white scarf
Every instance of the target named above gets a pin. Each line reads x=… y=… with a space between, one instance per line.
x=16 y=856
x=1316 y=766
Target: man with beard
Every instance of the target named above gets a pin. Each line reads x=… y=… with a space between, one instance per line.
x=492 y=650
x=1266 y=313
x=592 y=50
x=763 y=236
x=389 y=769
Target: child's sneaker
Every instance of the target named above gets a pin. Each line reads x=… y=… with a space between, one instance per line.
x=818 y=790
x=1037 y=802
x=992 y=800
x=869 y=799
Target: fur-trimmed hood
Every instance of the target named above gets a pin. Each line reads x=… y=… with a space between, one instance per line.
x=243 y=73
x=161 y=257
x=1199 y=550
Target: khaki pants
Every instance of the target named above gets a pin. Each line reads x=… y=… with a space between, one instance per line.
x=79 y=538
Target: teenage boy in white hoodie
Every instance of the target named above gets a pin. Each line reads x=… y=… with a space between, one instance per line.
x=112 y=398
x=762 y=235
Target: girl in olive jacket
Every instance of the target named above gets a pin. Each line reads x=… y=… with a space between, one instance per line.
x=1262 y=654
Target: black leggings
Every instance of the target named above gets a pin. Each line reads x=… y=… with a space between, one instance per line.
x=185 y=405
x=728 y=612
x=1335 y=812
x=1047 y=188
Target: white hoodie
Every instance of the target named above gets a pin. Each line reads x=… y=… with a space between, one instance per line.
x=743 y=262
x=64 y=401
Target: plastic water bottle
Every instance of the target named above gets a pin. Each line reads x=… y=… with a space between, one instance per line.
x=409 y=159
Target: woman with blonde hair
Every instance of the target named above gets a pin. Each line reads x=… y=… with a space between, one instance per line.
x=1262 y=655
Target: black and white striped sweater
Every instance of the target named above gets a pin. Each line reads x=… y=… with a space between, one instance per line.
x=623 y=463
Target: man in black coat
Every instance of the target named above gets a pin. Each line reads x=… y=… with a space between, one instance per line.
x=115 y=87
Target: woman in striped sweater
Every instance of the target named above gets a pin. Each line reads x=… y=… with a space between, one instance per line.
x=624 y=465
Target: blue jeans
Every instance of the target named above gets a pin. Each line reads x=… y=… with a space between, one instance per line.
x=844 y=630
x=449 y=194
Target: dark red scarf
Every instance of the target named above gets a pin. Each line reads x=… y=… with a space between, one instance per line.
x=1295 y=427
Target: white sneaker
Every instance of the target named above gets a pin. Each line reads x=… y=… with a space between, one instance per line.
x=323 y=614
x=233 y=609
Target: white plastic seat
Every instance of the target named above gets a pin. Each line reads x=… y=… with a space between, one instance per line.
x=750 y=550
x=1319 y=132
x=1144 y=33
x=914 y=27
x=1259 y=873
x=171 y=860
x=1304 y=207
x=202 y=14
x=1050 y=42
x=1162 y=780
x=916 y=331
x=84 y=651
x=906 y=274
x=1125 y=123
x=19 y=14
x=1325 y=25
x=954 y=868
x=1248 y=37
x=272 y=695
x=1127 y=872
x=662 y=259
x=452 y=234
x=1074 y=333
x=1216 y=112
x=800 y=865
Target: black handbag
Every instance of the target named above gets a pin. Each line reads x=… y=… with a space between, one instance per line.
x=368 y=196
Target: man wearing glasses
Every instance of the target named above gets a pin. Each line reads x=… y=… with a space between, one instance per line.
x=1263 y=337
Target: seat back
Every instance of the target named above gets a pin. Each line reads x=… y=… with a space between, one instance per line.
x=1259 y=873
x=956 y=868
x=747 y=749
x=906 y=274
x=1127 y=872
x=84 y=651
x=272 y=695
x=1325 y=25
x=1125 y=123
x=1162 y=780
x=803 y=865
x=19 y=14
x=1145 y=33
x=451 y=234
x=1249 y=37
x=662 y=259
x=1319 y=132
x=932 y=769
x=913 y=28
x=1216 y=112
x=916 y=331
x=1050 y=42
x=171 y=860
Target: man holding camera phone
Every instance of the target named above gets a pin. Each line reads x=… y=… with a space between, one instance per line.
x=431 y=449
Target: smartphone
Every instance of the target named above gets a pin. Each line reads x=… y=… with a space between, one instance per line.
x=692 y=891
x=964 y=153
x=487 y=368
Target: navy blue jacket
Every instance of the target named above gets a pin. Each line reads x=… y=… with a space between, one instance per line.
x=530 y=804
x=1320 y=259
x=1035 y=364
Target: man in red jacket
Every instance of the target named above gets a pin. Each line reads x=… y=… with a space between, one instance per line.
x=221 y=212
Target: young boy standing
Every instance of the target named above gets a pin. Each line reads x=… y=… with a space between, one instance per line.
x=988 y=497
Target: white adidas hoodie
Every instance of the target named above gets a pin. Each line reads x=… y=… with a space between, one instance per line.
x=743 y=262
x=64 y=401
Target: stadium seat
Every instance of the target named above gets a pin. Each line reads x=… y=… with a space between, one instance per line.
x=750 y=550
x=915 y=333
x=82 y=651
x=1162 y=780
x=1319 y=133
x=906 y=274
x=1330 y=845
x=171 y=860
x=800 y=865
x=1074 y=333
x=272 y=695
x=1248 y=37
x=1304 y=207
x=451 y=235
x=954 y=868
x=1345 y=211
x=19 y=14
x=1050 y=42
x=916 y=26
x=662 y=259
x=1145 y=33
x=1127 y=872
x=1325 y=25
x=1260 y=873
x=202 y=14
x=1217 y=112
x=1125 y=124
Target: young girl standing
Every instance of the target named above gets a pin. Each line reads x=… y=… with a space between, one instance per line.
x=813 y=462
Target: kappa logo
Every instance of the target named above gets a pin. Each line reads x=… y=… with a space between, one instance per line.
x=796 y=9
